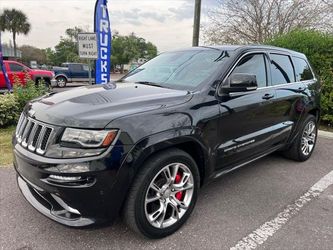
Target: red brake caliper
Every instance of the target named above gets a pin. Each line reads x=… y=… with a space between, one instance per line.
x=178 y=178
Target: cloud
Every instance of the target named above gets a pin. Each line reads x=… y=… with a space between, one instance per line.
x=136 y=16
x=185 y=11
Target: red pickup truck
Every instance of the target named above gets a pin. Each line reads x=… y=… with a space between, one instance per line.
x=20 y=70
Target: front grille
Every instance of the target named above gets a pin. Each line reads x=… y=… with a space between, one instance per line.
x=33 y=135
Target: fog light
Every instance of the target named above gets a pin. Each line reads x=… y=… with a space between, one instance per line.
x=65 y=178
x=70 y=168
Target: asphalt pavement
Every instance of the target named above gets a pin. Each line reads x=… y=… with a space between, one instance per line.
x=228 y=213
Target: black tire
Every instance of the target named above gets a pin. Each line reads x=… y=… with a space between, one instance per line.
x=61 y=81
x=295 y=151
x=134 y=211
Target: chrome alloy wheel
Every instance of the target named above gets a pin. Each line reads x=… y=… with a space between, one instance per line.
x=308 y=138
x=61 y=82
x=169 y=195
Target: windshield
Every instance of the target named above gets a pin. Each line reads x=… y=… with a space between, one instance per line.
x=179 y=70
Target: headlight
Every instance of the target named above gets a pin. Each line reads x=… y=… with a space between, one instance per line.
x=89 y=138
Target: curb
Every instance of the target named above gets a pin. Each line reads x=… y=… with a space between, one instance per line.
x=325 y=134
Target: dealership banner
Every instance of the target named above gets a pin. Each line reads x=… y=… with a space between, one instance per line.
x=3 y=68
x=103 y=31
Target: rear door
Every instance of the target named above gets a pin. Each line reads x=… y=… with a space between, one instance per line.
x=246 y=120
x=289 y=93
x=78 y=73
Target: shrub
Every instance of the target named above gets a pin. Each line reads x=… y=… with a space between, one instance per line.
x=9 y=110
x=29 y=91
x=12 y=104
x=318 y=47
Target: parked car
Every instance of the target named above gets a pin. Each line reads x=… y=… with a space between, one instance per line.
x=142 y=147
x=72 y=72
x=20 y=70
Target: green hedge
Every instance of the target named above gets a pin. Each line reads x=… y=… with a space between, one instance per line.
x=318 y=47
x=9 y=110
x=12 y=104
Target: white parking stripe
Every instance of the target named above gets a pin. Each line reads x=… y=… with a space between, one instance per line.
x=266 y=230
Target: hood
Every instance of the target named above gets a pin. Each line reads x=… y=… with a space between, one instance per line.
x=42 y=72
x=96 y=106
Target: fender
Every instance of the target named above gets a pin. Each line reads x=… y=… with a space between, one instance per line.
x=146 y=147
x=63 y=75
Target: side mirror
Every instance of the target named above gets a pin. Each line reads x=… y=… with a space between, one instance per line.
x=240 y=82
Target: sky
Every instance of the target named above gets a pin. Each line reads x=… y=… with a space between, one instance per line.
x=166 y=23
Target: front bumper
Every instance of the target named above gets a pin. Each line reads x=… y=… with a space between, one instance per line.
x=95 y=199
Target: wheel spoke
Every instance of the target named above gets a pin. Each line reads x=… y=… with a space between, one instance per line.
x=175 y=171
x=163 y=215
x=175 y=210
x=183 y=181
x=167 y=175
x=155 y=187
x=149 y=200
x=181 y=204
x=311 y=128
x=180 y=189
x=154 y=216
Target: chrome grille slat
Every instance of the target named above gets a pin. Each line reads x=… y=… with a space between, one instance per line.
x=33 y=135
x=26 y=133
x=19 y=124
x=22 y=128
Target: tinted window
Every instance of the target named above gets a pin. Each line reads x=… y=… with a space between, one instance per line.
x=253 y=64
x=302 y=69
x=181 y=69
x=76 y=67
x=282 y=69
x=86 y=67
x=16 y=67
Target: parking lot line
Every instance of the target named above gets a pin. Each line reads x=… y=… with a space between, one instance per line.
x=269 y=228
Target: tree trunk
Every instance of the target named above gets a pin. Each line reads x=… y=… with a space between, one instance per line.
x=14 y=41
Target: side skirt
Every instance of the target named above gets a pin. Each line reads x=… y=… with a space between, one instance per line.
x=226 y=171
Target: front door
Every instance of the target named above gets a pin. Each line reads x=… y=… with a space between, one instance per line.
x=16 y=72
x=247 y=119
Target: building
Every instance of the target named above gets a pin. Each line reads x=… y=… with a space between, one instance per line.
x=8 y=52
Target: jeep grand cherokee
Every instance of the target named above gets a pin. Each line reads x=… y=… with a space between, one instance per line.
x=143 y=146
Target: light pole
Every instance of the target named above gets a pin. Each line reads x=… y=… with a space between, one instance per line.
x=196 y=25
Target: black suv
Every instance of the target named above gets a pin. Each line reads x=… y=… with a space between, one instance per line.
x=142 y=147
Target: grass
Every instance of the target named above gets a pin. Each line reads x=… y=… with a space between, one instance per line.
x=6 y=155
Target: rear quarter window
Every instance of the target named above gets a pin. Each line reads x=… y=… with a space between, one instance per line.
x=302 y=70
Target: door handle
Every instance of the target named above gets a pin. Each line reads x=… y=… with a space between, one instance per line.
x=267 y=96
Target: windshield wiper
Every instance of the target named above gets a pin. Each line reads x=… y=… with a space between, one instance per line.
x=150 y=84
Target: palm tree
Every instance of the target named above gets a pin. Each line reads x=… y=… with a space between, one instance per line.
x=16 y=22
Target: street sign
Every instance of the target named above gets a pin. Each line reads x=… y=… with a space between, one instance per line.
x=87 y=45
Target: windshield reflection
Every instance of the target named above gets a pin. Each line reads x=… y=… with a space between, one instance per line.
x=181 y=69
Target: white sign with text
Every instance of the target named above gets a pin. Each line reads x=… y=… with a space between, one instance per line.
x=87 y=45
